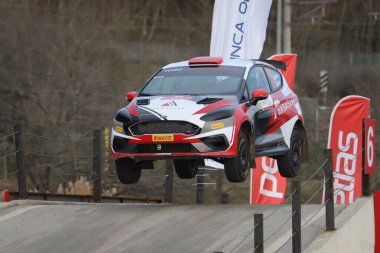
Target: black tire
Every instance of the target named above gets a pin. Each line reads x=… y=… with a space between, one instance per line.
x=127 y=170
x=186 y=169
x=237 y=168
x=289 y=164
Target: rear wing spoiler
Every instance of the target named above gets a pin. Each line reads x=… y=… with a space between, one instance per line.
x=274 y=63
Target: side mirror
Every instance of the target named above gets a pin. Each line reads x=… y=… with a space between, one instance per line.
x=258 y=95
x=130 y=95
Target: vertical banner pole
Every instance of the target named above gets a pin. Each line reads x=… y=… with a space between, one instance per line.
x=296 y=216
x=21 y=173
x=97 y=169
x=200 y=187
x=329 y=191
x=168 y=181
x=259 y=233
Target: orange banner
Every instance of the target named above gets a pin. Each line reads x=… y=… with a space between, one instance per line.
x=345 y=140
x=267 y=185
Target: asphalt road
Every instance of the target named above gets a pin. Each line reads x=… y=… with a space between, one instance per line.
x=148 y=228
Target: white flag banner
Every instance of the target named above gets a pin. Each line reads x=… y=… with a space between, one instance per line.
x=239 y=28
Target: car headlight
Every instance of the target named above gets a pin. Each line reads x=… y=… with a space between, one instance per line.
x=218 y=114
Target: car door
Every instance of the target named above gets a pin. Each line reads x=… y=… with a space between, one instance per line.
x=263 y=117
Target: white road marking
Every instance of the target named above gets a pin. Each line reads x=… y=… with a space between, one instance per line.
x=16 y=213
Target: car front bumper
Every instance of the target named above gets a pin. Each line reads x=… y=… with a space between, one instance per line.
x=217 y=144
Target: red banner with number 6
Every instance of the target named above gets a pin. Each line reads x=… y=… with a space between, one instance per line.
x=369 y=146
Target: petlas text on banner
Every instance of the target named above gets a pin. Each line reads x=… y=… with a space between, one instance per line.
x=267 y=185
x=239 y=28
x=345 y=140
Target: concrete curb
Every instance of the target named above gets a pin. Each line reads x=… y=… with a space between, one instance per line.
x=8 y=204
x=354 y=230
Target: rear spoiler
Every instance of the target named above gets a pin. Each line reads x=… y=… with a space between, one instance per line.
x=274 y=63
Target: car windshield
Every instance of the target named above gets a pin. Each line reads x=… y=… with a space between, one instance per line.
x=221 y=80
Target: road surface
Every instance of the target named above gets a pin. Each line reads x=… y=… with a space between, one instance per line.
x=36 y=228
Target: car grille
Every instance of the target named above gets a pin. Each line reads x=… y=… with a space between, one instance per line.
x=164 y=127
x=164 y=148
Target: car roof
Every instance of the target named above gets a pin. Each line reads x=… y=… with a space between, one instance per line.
x=226 y=62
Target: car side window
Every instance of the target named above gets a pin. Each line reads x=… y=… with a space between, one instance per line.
x=274 y=77
x=246 y=95
x=257 y=80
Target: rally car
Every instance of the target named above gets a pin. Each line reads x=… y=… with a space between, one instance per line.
x=228 y=110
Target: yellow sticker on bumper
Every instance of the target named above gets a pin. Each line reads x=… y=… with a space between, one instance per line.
x=119 y=129
x=162 y=137
x=217 y=125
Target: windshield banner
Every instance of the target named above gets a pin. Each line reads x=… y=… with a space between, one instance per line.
x=267 y=185
x=239 y=28
x=345 y=140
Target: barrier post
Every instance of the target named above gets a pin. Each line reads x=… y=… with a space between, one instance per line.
x=329 y=191
x=200 y=186
x=259 y=232
x=6 y=195
x=168 y=181
x=21 y=173
x=97 y=169
x=296 y=216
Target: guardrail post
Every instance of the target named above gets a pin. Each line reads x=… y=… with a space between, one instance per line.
x=259 y=233
x=329 y=191
x=169 y=181
x=366 y=184
x=296 y=216
x=21 y=173
x=97 y=169
x=200 y=186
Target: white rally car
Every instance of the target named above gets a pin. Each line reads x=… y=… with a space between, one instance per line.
x=228 y=110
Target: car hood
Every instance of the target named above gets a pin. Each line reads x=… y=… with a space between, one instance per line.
x=183 y=108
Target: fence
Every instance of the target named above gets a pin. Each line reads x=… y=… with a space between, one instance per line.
x=94 y=175
x=257 y=229
x=295 y=197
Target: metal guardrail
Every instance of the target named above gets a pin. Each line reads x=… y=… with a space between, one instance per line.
x=83 y=197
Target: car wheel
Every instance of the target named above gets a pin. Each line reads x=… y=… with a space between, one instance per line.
x=289 y=164
x=237 y=168
x=128 y=170
x=186 y=169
